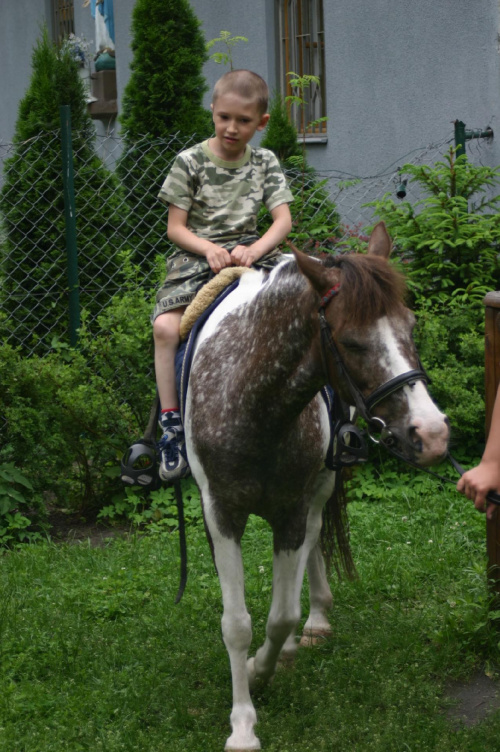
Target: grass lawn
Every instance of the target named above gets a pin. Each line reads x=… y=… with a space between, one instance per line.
x=95 y=656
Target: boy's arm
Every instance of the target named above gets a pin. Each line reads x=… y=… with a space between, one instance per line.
x=181 y=235
x=246 y=255
x=476 y=483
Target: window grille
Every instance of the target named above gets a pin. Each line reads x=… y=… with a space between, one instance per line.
x=302 y=50
x=63 y=19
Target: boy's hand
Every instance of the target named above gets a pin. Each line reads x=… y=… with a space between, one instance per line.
x=244 y=255
x=218 y=258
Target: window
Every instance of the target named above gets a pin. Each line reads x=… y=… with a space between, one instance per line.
x=302 y=50
x=63 y=19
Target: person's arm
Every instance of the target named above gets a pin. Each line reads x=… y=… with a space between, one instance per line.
x=246 y=255
x=182 y=236
x=485 y=477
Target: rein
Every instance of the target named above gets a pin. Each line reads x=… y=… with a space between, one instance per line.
x=492 y=496
x=351 y=446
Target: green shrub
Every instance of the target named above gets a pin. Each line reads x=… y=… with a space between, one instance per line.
x=69 y=415
x=157 y=511
x=451 y=347
x=63 y=427
x=162 y=100
x=19 y=507
x=281 y=134
x=33 y=260
x=448 y=244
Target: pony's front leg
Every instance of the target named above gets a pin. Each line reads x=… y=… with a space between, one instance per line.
x=288 y=573
x=236 y=633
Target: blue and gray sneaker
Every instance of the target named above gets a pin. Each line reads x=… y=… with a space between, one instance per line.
x=172 y=447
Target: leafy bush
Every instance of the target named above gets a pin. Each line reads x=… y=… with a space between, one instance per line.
x=157 y=511
x=451 y=346
x=70 y=415
x=17 y=510
x=448 y=245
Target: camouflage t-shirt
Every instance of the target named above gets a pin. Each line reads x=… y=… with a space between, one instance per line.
x=223 y=198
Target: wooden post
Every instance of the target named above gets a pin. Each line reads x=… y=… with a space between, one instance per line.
x=491 y=381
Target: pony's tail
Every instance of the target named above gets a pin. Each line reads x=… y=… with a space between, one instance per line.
x=335 y=542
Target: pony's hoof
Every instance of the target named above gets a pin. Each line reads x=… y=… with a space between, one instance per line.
x=313 y=637
x=287 y=656
x=254 y=680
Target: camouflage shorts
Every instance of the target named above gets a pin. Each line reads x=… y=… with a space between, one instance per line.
x=187 y=273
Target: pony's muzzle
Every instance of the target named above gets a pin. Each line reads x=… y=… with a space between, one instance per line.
x=429 y=439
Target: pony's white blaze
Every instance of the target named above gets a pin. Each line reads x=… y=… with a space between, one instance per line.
x=427 y=423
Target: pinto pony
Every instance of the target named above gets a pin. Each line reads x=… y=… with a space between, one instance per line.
x=257 y=430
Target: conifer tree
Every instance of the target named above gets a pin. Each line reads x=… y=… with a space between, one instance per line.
x=162 y=112
x=33 y=258
x=281 y=134
x=315 y=217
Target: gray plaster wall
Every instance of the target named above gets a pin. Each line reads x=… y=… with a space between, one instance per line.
x=399 y=72
x=20 y=24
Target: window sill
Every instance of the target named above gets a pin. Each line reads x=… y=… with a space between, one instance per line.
x=313 y=140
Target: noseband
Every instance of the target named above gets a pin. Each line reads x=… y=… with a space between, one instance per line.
x=364 y=405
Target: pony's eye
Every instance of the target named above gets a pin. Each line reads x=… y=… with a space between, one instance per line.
x=353 y=346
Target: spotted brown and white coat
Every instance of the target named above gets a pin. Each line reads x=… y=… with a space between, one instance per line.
x=257 y=433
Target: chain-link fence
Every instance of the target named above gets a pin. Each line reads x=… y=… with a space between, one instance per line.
x=116 y=209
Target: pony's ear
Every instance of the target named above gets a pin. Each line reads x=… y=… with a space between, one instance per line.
x=380 y=243
x=320 y=277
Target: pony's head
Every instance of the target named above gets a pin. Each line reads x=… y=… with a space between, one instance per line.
x=372 y=361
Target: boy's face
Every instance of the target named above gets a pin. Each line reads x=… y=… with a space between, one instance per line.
x=235 y=120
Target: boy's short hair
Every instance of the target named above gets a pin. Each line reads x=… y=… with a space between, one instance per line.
x=247 y=84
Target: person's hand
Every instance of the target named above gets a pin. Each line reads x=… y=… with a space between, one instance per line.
x=218 y=258
x=478 y=482
x=244 y=255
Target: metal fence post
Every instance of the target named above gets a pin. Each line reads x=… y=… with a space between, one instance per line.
x=462 y=135
x=491 y=381
x=459 y=137
x=70 y=221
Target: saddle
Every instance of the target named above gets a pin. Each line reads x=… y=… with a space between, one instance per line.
x=207 y=295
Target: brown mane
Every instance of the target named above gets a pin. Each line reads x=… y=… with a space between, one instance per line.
x=370 y=288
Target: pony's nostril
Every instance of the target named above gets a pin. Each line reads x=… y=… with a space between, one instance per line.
x=415 y=438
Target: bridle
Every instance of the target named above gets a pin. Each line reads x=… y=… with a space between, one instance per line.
x=364 y=405
x=350 y=444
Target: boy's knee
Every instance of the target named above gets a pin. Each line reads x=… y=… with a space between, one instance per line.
x=166 y=329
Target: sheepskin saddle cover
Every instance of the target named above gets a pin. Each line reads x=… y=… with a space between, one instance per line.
x=207 y=294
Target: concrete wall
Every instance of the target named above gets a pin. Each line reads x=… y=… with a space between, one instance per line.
x=19 y=29
x=398 y=71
